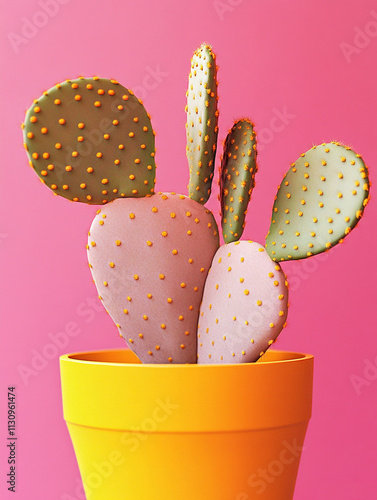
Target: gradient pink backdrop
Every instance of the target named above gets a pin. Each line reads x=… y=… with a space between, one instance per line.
x=274 y=57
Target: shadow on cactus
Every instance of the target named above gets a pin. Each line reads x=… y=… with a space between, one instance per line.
x=173 y=293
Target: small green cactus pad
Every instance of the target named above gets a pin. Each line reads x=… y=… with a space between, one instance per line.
x=237 y=178
x=91 y=140
x=319 y=202
x=201 y=126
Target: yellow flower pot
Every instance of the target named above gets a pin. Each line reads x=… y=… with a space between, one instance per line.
x=187 y=432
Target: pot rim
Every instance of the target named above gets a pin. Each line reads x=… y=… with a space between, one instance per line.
x=90 y=358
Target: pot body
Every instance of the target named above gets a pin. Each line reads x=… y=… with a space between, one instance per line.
x=187 y=432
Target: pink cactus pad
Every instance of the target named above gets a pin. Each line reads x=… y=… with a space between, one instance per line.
x=245 y=305
x=149 y=258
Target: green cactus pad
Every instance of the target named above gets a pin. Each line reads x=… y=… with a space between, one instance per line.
x=91 y=140
x=201 y=126
x=320 y=200
x=237 y=178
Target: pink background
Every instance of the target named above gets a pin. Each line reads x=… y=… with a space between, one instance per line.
x=274 y=57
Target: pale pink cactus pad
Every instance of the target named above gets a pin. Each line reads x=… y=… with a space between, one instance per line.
x=149 y=258
x=244 y=307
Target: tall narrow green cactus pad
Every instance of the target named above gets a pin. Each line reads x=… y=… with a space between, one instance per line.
x=201 y=126
x=237 y=178
x=91 y=140
x=320 y=200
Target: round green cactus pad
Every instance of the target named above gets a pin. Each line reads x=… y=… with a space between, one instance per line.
x=91 y=140
x=319 y=202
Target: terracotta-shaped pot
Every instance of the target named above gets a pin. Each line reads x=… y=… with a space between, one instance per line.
x=187 y=432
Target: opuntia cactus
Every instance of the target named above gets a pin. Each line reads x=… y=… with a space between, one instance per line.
x=237 y=178
x=201 y=126
x=319 y=202
x=149 y=258
x=91 y=140
x=244 y=305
